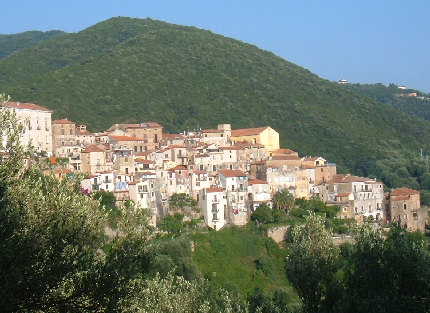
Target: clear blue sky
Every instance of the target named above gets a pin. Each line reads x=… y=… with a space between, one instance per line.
x=359 y=40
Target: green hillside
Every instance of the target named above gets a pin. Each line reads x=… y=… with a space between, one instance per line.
x=10 y=44
x=418 y=106
x=131 y=70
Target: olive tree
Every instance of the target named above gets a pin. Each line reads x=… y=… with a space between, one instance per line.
x=311 y=264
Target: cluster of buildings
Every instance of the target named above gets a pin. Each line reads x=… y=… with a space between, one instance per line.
x=228 y=171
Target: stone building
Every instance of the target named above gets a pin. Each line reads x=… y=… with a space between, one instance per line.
x=405 y=209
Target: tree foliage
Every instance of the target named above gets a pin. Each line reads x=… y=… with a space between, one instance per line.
x=311 y=264
x=283 y=200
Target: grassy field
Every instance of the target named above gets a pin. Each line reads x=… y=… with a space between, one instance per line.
x=241 y=259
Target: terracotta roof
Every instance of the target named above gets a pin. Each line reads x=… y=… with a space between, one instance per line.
x=213 y=189
x=53 y=160
x=285 y=158
x=211 y=131
x=258 y=163
x=400 y=198
x=403 y=192
x=62 y=121
x=178 y=168
x=346 y=178
x=172 y=136
x=125 y=138
x=248 y=131
x=284 y=151
x=27 y=106
x=232 y=173
x=146 y=153
x=93 y=148
x=256 y=182
x=143 y=161
x=199 y=172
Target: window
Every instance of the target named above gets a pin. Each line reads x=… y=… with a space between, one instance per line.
x=404 y=206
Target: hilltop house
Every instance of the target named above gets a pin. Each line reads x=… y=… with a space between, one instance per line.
x=266 y=136
x=37 y=122
x=213 y=205
x=405 y=209
x=358 y=195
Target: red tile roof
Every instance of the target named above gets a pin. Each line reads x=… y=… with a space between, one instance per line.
x=248 y=131
x=142 y=161
x=346 y=178
x=178 y=168
x=93 y=148
x=172 y=136
x=284 y=151
x=27 y=106
x=199 y=172
x=256 y=182
x=232 y=173
x=403 y=192
x=285 y=158
x=62 y=121
x=231 y=148
x=211 y=131
x=213 y=189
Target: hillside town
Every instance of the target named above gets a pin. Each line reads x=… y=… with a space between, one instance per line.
x=229 y=172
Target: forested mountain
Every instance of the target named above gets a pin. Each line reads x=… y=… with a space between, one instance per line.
x=10 y=44
x=132 y=70
x=410 y=101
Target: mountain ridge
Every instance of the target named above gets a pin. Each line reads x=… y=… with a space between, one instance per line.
x=132 y=70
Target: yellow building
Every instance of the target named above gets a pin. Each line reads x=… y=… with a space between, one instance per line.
x=266 y=136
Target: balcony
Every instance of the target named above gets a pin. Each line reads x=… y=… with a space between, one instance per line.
x=215 y=200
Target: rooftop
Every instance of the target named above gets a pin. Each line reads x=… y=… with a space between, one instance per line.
x=26 y=106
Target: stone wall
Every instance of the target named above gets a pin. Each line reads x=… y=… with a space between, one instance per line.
x=278 y=233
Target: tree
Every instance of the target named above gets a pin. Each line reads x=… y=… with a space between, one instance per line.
x=283 y=200
x=387 y=275
x=262 y=214
x=49 y=234
x=311 y=264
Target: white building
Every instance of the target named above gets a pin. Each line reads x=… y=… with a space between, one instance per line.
x=235 y=184
x=213 y=203
x=37 y=121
